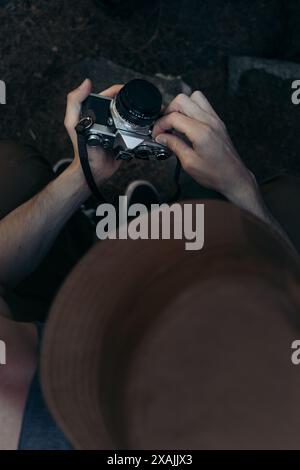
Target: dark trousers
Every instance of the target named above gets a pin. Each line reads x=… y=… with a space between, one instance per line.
x=24 y=172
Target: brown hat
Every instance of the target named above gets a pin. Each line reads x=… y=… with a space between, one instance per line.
x=150 y=346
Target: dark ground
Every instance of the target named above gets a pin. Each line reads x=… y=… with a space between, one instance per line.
x=42 y=45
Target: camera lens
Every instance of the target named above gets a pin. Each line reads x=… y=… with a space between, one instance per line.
x=139 y=102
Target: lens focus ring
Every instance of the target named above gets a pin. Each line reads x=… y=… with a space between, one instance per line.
x=139 y=102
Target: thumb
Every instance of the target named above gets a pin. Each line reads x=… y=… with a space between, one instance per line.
x=180 y=148
x=82 y=92
x=74 y=100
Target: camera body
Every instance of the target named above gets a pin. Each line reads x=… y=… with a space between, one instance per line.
x=123 y=124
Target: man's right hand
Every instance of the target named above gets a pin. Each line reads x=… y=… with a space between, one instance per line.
x=209 y=155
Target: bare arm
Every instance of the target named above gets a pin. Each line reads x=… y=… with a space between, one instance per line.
x=211 y=158
x=27 y=233
x=251 y=200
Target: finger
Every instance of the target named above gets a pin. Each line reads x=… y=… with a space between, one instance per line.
x=185 y=105
x=203 y=102
x=181 y=149
x=181 y=123
x=112 y=91
x=74 y=100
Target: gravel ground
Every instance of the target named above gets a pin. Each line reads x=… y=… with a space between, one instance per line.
x=41 y=41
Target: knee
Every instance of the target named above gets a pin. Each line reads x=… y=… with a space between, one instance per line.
x=14 y=152
x=23 y=173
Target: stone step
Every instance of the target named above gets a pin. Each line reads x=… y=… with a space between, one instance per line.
x=238 y=66
x=104 y=72
x=267 y=133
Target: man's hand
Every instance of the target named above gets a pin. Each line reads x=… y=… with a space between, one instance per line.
x=102 y=163
x=206 y=152
x=210 y=158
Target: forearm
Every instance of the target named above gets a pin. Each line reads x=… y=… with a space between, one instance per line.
x=250 y=199
x=27 y=233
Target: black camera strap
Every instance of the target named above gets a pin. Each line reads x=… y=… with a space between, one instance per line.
x=81 y=128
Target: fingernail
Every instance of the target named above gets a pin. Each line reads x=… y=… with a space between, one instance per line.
x=161 y=139
x=83 y=83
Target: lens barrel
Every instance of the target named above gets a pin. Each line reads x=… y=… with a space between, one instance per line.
x=139 y=102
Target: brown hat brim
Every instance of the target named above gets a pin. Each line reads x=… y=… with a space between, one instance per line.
x=86 y=318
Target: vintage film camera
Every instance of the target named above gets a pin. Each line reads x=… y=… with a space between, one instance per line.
x=122 y=124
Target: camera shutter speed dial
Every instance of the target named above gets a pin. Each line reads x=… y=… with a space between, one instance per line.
x=124 y=155
x=143 y=152
x=106 y=144
x=163 y=154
